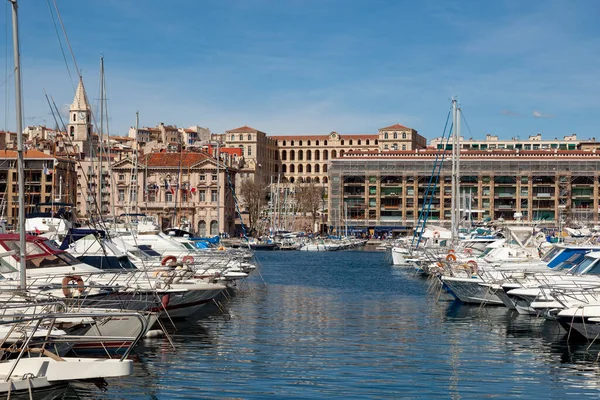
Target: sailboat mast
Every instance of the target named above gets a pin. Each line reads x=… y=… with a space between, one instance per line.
x=100 y=172
x=454 y=203
x=457 y=175
x=20 y=161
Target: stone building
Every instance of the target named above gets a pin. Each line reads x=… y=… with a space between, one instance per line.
x=47 y=179
x=179 y=188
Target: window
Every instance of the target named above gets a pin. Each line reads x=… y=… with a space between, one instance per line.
x=385 y=147
x=300 y=168
x=308 y=169
x=232 y=137
x=404 y=135
x=213 y=196
x=309 y=142
x=284 y=143
x=202 y=178
x=292 y=155
x=249 y=150
x=317 y=155
x=300 y=154
x=283 y=168
x=403 y=147
x=184 y=195
x=121 y=177
x=74 y=118
x=325 y=142
x=249 y=137
x=317 y=169
x=202 y=228
x=168 y=197
x=324 y=171
x=284 y=155
x=292 y=169
x=121 y=195
x=325 y=154
x=359 y=142
x=203 y=195
x=300 y=143
x=133 y=195
x=214 y=228
x=395 y=135
x=292 y=144
x=214 y=177
x=395 y=146
x=350 y=142
x=385 y=135
x=72 y=130
x=367 y=142
x=342 y=142
x=242 y=148
x=333 y=154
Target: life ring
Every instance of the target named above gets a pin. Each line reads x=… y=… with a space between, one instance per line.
x=468 y=251
x=188 y=260
x=451 y=251
x=168 y=259
x=473 y=265
x=450 y=257
x=66 y=289
x=221 y=248
x=436 y=234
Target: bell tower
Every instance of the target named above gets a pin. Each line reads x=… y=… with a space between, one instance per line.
x=80 y=126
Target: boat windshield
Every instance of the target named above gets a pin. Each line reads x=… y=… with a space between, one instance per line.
x=551 y=254
x=147 y=251
x=584 y=265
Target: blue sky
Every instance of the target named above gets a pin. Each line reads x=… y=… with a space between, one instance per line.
x=314 y=66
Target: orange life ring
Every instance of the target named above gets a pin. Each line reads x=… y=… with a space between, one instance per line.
x=451 y=251
x=450 y=257
x=473 y=265
x=168 y=259
x=66 y=289
x=188 y=260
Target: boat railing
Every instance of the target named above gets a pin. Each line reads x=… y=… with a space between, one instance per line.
x=36 y=323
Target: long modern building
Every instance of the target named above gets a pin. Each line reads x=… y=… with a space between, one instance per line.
x=388 y=188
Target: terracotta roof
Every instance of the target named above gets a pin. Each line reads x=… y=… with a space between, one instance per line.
x=185 y=159
x=396 y=127
x=301 y=137
x=243 y=129
x=31 y=154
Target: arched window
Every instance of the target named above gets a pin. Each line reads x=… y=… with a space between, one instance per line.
x=333 y=154
x=317 y=142
x=232 y=137
x=284 y=169
x=284 y=155
x=385 y=135
x=300 y=155
x=292 y=180
x=324 y=168
x=317 y=179
x=300 y=169
x=292 y=169
x=359 y=142
x=309 y=143
x=350 y=142
x=300 y=143
x=292 y=155
x=376 y=141
x=276 y=168
x=395 y=135
x=395 y=146
x=341 y=153
x=385 y=146
x=308 y=155
x=325 y=154
x=367 y=142
x=74 y=117
x=90 y=131
x=308 y=169
x=403 y=135
x=324 y=179
x=214 y=228
x=300 y=180
x=284 y=143
x=317 y=169
x=342 y=142
x=403 y=147
x=325 y=142
x=307 y=179
x=202 y=228
x=249 y=137
x=292 y=143
x=72 y=130
x=317 y=155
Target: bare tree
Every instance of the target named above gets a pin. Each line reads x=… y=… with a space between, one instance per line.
x=309 y=197
x=254 y=194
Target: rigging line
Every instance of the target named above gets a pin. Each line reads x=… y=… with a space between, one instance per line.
x=7 y=89
x=466 y=123
x=66 y=38
x=62 y=49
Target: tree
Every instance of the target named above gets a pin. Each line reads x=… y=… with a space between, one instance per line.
x=254 y=194
x=310 y=197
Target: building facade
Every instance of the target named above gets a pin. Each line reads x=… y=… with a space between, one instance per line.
x=372 y=188
x=179 y=188
x=47 y=179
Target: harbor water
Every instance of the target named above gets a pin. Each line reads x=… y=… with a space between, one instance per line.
x=347 y=325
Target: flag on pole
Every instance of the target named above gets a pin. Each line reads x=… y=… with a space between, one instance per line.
x=167 y=185
x=46 y=170
x=193 y=190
